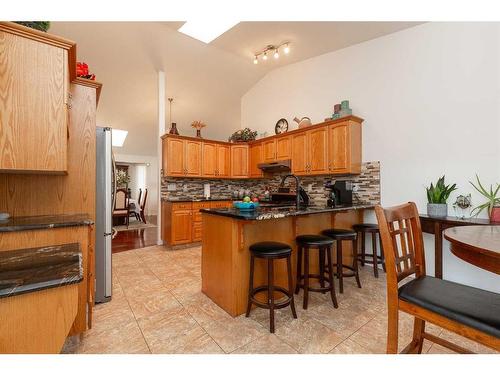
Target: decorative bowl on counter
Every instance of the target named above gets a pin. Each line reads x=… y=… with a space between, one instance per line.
x=248 y=206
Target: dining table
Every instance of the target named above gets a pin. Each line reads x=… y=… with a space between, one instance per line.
x=476 y=244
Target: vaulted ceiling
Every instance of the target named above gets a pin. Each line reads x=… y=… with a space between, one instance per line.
x=206 y=81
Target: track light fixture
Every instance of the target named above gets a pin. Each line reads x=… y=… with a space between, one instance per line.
x=274 y=49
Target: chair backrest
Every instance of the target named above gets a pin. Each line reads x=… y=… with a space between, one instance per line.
x=402 y=242
x=139 y=197
x=121 y=202
x=143 y=203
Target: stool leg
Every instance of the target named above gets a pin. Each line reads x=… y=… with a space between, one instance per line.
x=375 y=255
x=270 y=292
x=306 y=278
x=355 y=263
x=250 y=286
x=340 y=270
x=363 y=250
x=299 y=269
x=321 y=253
x=290 y=286
x=330 y=276
x=381 y=252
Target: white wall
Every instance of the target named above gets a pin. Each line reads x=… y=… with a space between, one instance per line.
x=152 y=183
x=430 y=97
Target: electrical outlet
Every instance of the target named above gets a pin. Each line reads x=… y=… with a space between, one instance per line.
x=310 y=188
x=171 y=187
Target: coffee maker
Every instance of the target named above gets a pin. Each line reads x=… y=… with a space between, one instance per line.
x=340 y=194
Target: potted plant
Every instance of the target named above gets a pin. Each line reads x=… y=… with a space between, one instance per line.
x=243 y=135
x=437 y=195
x=492 y=203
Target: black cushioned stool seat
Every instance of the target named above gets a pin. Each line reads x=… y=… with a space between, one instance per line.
x=340 y=235
x=305 y=243
x=476 y=308
x=271 y=251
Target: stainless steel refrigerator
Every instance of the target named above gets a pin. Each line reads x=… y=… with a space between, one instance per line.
x=105 y=195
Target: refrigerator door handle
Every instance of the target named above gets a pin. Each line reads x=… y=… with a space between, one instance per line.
x=114 y=182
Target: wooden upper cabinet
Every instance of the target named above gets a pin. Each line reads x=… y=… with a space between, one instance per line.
x=345 y=147
x=300 y=153
x=173 y=156
x=193 y=158
x=223 y=160
x=283 y=148
x=255 y=159
x=36 y=69
x=317 y=145
x=209 y=165
x=269 y=151
x=239 y=161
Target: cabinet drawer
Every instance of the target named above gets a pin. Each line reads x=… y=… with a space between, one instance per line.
x=223 y=204
x=181 y=206
x=197 y=232
x=200 y=205
x=197 y=216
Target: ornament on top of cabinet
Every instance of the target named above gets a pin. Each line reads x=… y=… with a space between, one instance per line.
x=82 y=71
x=198 y=125
x=303 y=122
x=281 y=126
x=173 y=126
x=341 y=110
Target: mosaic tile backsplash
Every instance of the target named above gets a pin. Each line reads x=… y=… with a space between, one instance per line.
x=366 y=186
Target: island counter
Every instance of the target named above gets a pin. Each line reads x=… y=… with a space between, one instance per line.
x=227 y=234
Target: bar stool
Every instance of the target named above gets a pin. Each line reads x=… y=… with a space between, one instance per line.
x=375 y=258
x=271 y=251
x=324 y=246
x=340 y=235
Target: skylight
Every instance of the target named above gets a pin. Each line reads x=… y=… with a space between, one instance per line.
x=206 y=30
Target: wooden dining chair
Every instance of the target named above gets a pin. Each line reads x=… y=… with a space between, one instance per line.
x=143 y=206
x=122 y=205
x=134 y=213
x=470 y=312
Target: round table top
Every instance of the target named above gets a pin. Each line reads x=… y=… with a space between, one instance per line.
x=476 y=244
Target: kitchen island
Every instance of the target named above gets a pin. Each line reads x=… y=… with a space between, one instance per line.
x=227 y=234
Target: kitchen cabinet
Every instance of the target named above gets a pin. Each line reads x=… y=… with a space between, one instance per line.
x=223 y=161
x=283 y=148
x=36 y=72
x=181 y=157
x=269 y=151
x=300 y=153
x=317 y=150
x=239 y=161
x=192 y=161
x=209 y=152
x=255 y=159
x=344 y=147
x=181 y=226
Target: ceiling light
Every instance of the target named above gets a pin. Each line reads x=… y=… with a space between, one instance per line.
x=118 y=137
x=276 y=54
x=286 y=49
x=265 y=56
x=206 y=30
x=274 y=49
x=255 y=60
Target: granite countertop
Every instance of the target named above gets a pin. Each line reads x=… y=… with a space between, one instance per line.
x=182 y=200
x=281 y=212
x=29 y=270
x=20 y=223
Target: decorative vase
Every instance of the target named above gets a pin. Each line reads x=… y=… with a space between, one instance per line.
x=495 y=214
x=198 y=133
x=437 y=209
x=173 y=129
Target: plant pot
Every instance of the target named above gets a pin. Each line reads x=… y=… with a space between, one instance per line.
x=495 y=214
x=437 y=209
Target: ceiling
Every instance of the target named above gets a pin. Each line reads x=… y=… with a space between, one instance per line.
x=206 y=81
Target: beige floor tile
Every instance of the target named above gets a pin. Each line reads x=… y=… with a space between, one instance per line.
x=267 y=344
x=150 y=303
x=203 y=309
x=233 y=333
x=349 y=346
x=140 y=285
x=111 y=314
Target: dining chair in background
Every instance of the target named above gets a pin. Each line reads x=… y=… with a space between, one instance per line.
x=143 y=206
x=122 y=205
x=470 y=312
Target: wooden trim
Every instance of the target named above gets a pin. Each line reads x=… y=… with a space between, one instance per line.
x=89 y=83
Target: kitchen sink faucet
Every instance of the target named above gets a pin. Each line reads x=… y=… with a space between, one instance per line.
x=297 y=189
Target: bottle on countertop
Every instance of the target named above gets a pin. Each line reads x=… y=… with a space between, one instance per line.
x=267 y=194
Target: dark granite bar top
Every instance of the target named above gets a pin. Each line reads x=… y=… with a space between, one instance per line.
x=280 y=212
x=29 y=270
x=20 y=223
x=184 y=200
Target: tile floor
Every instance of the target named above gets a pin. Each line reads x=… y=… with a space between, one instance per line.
x=157 y=307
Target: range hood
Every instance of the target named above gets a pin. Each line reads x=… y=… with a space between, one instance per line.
x=276 y=166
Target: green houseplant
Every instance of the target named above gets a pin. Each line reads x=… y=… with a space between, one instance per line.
x=243 y=135
x=37 y=25
x=492 y=203
x=437 y=195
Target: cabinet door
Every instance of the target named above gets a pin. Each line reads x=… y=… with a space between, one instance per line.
x=175 y=157
x=209 y=159
x=192 y=162
x=34 y=86
x=299 y=153
x=239 y=161
x=197 y=232
x=255 y=160
x=318 y=150
x=223 y=161
x=283 y=148
x=339 y=148
x=181 y=226
x=269 y=151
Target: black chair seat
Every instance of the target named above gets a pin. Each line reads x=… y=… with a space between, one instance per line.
x=270 y=248
x=365 y=227
x=476 y=308
x=340 y=234
x=314 y=240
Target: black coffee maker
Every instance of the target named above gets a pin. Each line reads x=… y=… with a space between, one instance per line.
x=340 y=194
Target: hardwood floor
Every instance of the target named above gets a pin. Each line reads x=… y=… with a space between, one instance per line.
x=136 y=239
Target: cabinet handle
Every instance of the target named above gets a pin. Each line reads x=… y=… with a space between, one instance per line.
x=69 y=101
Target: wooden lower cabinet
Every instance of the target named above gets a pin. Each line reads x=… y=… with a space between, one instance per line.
x=182 y=221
